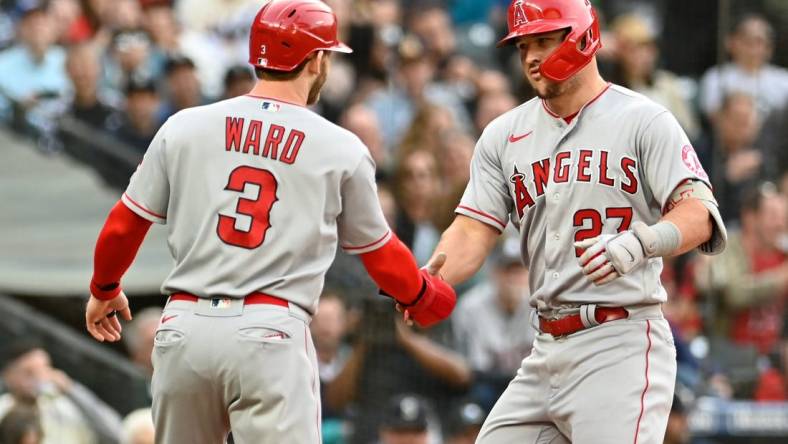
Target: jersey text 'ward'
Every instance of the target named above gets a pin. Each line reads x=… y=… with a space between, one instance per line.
x=276 y=143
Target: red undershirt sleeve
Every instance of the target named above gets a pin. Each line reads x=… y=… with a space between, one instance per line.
x=394 y=270
x=116 y=248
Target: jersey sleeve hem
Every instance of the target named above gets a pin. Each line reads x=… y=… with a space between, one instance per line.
x=143 y=212
x=481 y=216
x=678 y=182
x=368 y=247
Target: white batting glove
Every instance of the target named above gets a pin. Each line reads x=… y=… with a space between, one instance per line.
x=610 y=256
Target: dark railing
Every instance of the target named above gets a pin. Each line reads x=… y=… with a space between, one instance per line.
x=110 y=375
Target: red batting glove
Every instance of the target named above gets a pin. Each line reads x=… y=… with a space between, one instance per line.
x=434 y=303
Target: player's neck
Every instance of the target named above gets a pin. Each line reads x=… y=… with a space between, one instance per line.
x=588 y=87
x=286 y=91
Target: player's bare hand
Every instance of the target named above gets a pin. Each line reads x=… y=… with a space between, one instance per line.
x=405 y=315
x=101 y=317
x=436 y=263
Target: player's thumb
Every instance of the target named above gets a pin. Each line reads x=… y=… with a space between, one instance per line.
x=125 y=313
x=436 y=263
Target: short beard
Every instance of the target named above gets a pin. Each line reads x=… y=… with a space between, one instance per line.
x=555 y=89
x=314 y=90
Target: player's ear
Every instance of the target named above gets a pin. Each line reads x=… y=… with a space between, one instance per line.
x=315 y=64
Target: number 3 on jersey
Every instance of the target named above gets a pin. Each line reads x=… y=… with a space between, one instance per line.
x=581 y=216
x=258 y=209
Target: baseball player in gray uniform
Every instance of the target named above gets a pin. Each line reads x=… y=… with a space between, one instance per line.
x=602 y=183
x=257 y=191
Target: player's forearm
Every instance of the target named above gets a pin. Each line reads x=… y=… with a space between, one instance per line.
x=394 y=270
x=439 y=361
x=693 y=222
x=467 y=243
x=342 y=389
x=116 y=248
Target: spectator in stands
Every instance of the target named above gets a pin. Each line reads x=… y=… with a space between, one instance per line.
x=466 y=423
x=736 y=129
x=432 y=24
x=140 y=119
x=65 y=15
x=21 y=425
x=70 y=413
x=419 y=189
x=396 y=107
x=34 y=68
x=677 y=431
x=215 y=36
x=492 y=323
x=388 y=204
x=750 y=46
x=391 y=358
x=752 y=273
x=139 y=336
x=138 y=428
x=162 y=27
x=426 y=131
x=89 y=117
x=92 y=20
x=455 y=151
x=328 y=328
x=406 y=421
x=491 y=81
x=490 y=106
x=130 y=59
x=238 y=80
x=363 y=122
x=636 y=68
x=460 y=75
x=84 y=71
x=183 y=86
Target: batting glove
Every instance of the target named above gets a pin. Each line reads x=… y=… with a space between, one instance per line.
x=610 y=256
x=434 y=303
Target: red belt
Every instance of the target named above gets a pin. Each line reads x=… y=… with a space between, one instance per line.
x=574 y=323
x=252 y=298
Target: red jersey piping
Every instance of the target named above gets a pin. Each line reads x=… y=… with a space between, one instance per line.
x=143 y=208
x=482 y=213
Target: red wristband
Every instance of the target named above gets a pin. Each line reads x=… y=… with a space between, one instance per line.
x=104 y=292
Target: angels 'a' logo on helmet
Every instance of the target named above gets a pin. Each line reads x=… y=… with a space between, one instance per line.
x=519 y=14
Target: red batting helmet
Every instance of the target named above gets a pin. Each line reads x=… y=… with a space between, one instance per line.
x=285 y=32
x=527 y=17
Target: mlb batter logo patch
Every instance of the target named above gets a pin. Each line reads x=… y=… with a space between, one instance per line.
x=271 y=107
x=691 y=161
x=221 y=302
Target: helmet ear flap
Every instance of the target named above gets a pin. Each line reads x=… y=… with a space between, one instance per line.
x=586 y=40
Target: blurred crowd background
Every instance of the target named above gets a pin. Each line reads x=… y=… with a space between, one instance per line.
x=91 y=81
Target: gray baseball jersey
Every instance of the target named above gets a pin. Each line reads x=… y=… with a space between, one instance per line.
x=617 y=162
x=256 y=194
